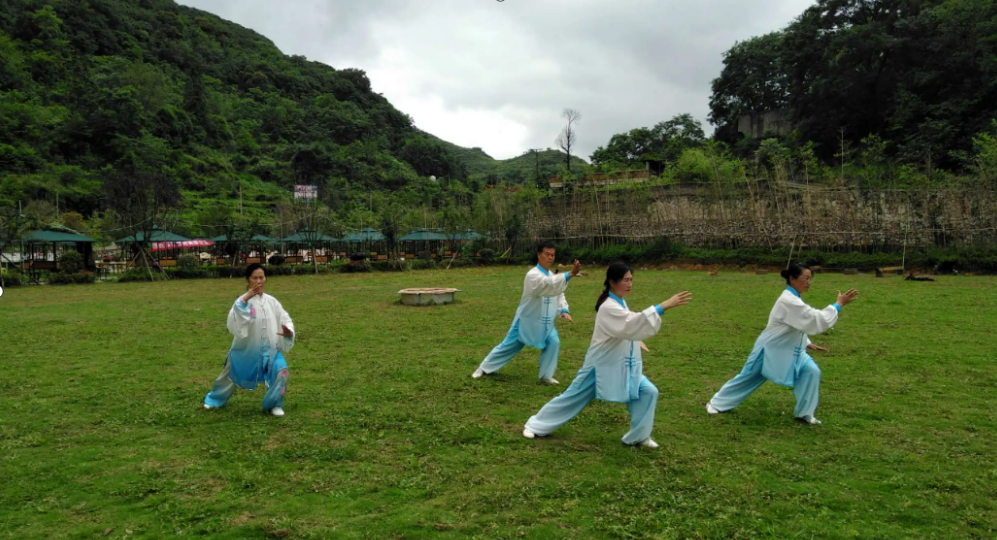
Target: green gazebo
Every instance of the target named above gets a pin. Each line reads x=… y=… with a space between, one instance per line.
x=54 y=237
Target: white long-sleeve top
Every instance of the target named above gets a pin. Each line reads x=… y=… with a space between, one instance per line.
x=614 y=351
x=783 y=343
x=542 y=301
x=254 y=326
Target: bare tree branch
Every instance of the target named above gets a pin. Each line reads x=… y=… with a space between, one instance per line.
x=566 y=140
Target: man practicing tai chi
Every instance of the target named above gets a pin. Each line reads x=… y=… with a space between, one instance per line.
x=542 y=302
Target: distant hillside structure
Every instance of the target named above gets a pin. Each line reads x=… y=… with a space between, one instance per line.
x=761 y=125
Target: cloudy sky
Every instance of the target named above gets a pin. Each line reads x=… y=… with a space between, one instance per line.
x=497 y=75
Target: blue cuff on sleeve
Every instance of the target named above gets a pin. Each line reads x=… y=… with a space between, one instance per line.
x=565 y=311
x=659 y=309
x=567 y=277
x=837 y=307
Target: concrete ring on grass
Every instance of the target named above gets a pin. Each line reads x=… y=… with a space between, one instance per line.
x=427 y=297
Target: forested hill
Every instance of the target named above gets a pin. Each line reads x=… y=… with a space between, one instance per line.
x=527 y=167
x=91 y=87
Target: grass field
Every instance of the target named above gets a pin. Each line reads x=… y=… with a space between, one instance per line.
x=387 y=435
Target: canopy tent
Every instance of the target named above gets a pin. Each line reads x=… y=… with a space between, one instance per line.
x=161 y=242
x=183 y=244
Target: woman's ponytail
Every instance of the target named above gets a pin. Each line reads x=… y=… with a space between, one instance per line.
x=602 y=297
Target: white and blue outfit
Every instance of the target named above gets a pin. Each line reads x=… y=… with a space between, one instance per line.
x=542 y=302
x=780 y=355
x=256 y=355
x=613 y=371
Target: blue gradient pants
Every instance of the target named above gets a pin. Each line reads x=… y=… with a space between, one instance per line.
x=275 y=378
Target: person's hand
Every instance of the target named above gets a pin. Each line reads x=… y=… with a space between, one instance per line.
x=679 y=299
x=813 y=347
x=576 y=269
x=847 y=297
x=644 y=347
x=253 y=291
x=567 y=315
x=286 y=332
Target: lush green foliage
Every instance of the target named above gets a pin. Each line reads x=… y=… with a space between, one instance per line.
x=919 y=74
x=387 y=436
x=665 y=142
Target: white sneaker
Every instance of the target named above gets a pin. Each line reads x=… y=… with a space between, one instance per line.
x=809 y=420
x=711 y=409
x=649 y=443
x=550 y=380
x=529 y=434
x=209 y=407
x=478 y=373
x=277 y=411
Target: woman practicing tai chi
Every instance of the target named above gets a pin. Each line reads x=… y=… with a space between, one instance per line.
x=613 y=364
x=263 y=332
x=780 y=353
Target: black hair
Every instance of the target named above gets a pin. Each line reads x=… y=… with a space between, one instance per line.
x=254 y=267
x=614 y=273
x=546 y=244
x=795 y=270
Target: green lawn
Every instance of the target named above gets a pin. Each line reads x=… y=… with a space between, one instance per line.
x=387 y=435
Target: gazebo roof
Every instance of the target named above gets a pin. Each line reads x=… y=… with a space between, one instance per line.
x=307 y=235
x=365 y=235
x=57 y=235
x=158 y=235
x=469 y=235
x=423 y=235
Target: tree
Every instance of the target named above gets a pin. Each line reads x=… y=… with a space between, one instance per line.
x=666 y=142
x=391 y=223
x=568 y=137
x=143 y=198
x=753 y=80
x=13 y=226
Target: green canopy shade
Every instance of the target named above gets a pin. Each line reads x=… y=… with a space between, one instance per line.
x=423 y=235
x=306 y=236
x=469 y=235
x=366 y=235
x=158 y=235
x=57 y=236
x=257 y=238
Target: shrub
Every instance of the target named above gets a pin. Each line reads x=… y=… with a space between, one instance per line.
x=189 y=263
x=65 y=278
x=183 y=273
x=393 y=265
x=487 y=255
x=71 y=262
x=14 y=278
x=423 y=264
x=276 y=260
x=460 y=262
x=357 y=267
